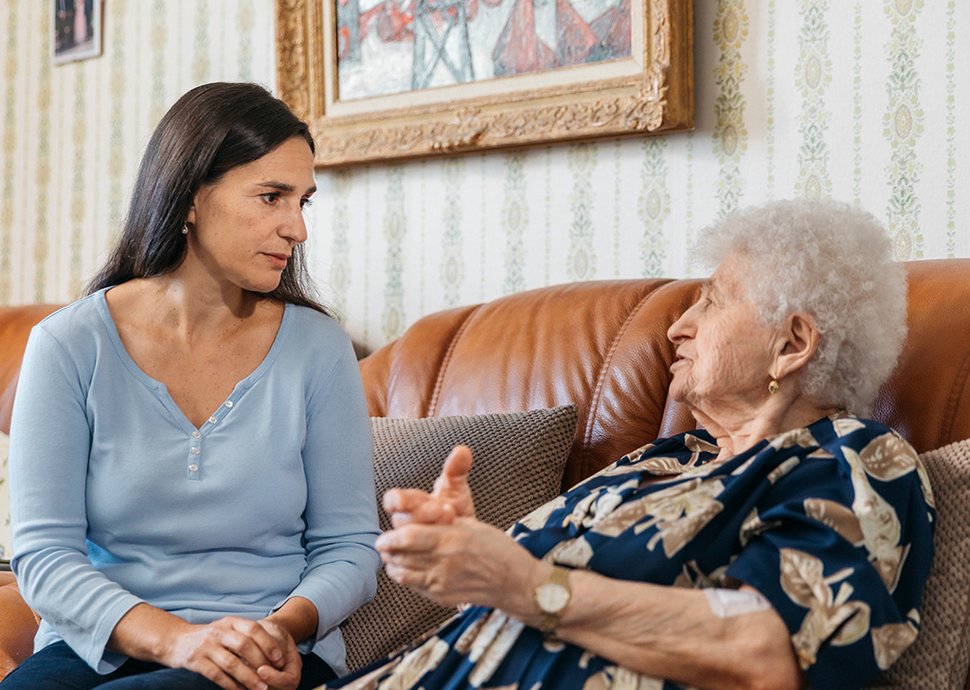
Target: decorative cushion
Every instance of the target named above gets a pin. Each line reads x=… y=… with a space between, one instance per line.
x=519 y=461
x=940 y=656
x=5 y=550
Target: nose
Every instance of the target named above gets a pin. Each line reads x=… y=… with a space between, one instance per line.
x=294 y=229
x=683 y=328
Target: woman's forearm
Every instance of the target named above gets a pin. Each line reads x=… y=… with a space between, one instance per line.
x=298 y=616
x=659 y=631
x=232 y=652
x=672 y=633
x=147 y=633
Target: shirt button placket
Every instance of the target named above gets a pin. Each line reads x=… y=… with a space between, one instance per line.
x=195 y=452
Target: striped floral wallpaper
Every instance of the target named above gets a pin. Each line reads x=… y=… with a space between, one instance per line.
x=853 y=99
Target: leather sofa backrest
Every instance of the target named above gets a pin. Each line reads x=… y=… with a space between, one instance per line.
x=602 y=345
x=15 y=325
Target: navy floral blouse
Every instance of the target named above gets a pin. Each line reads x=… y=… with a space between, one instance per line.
x=832 y=523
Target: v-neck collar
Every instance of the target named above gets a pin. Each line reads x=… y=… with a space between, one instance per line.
x=161 y=389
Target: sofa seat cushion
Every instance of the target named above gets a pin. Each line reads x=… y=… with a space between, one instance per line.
x=519 y=461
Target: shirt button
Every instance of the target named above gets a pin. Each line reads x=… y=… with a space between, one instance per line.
x=196 y=434
x=193 y=467
x=195 y=451
x=229 y=403
x=212 y=420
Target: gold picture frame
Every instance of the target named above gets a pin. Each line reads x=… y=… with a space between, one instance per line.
x=647 y=93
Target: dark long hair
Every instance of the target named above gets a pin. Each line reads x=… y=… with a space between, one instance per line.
x=209 y=131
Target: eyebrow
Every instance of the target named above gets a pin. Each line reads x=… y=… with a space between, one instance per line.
x=710 y=289
x=284 y=187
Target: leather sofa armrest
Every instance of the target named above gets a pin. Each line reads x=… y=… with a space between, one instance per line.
x=18 y=624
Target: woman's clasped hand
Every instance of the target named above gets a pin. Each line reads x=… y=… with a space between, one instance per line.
x=238 y=652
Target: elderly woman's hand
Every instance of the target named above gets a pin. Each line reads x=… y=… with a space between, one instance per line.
x=467 y=561
x=451 y=496
x=439 y=548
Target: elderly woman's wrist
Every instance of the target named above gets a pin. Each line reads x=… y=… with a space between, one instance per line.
x=522 y=603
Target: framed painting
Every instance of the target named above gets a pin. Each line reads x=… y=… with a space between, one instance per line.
x=390 y=79
x=77 y=30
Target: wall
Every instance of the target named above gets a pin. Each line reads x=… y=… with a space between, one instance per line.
x=855 y=99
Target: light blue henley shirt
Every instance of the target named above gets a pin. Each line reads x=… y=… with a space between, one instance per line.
x=116 y=498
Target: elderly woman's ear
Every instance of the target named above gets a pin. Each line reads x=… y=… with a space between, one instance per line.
x=798 y=340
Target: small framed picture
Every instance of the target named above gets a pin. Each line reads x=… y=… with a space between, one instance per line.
x=77 y=30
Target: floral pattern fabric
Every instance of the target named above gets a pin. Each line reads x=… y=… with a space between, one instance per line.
x=832 y=523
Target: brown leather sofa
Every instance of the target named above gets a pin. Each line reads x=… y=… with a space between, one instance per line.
x=602 y=346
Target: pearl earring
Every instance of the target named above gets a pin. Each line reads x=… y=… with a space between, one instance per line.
x=185 y=228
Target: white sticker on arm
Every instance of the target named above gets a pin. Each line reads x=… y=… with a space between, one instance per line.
x=726 y=603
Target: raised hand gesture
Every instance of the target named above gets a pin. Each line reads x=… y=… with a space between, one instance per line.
x=451 y=496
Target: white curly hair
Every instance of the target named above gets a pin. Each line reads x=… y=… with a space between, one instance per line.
x=834 y=262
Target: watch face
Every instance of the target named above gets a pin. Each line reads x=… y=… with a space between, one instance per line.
x=552 y=598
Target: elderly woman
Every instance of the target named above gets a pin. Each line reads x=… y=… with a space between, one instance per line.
x=787 y=543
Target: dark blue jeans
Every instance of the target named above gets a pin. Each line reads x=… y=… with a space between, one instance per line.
x=57 y=667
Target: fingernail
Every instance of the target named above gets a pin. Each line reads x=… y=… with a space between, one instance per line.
x=262 y=672
x=277 y=655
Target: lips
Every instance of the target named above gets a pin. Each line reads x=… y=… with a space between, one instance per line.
x=680 y=359
x=278 y=260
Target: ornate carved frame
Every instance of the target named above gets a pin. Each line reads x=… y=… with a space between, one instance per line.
x=651 y=93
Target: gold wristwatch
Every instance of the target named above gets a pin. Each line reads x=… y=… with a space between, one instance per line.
x=552 y=597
